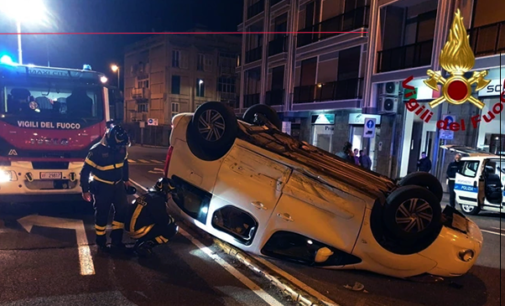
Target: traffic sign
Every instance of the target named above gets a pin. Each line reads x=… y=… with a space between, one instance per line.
x=447 y=134
x=369 y=129
x=152 y=121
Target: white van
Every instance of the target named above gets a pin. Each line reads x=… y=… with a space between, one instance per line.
x=480 y=184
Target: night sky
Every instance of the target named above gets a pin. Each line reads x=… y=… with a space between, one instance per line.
x=72 y=51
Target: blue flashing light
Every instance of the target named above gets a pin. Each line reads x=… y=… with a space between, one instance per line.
x=86 y=67
x=6 y=60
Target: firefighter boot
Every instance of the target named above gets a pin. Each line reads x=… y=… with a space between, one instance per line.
x=144 y=249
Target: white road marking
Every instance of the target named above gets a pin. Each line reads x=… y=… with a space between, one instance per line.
x=157 y=171
x=144 y=161
x=131 y=161
x=270 y=300
x=501 y=229
x=85 y=259
x=296 y=281
x=156 y=161
x=491 y=232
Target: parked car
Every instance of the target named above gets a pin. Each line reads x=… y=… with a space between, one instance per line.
x=480 y=184
x=267 y=193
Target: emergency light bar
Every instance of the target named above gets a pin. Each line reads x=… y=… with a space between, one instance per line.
x=10 y=69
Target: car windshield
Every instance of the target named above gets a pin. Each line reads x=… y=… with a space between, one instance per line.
x=50 y=99
x=498 y=165
x=313 y=158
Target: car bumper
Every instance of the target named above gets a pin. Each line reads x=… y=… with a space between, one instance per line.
x=448 y=248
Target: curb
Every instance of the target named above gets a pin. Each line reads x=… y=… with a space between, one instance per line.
x=290 y=290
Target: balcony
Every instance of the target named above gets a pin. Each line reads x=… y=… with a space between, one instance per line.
x=278 y=45
x=409 y=56
x=274 y=97
x=251 y=99
x=141 y=94
x=253 y=54
x=255 y=9
x=332 y=91
x=274 y=2
x=488 y=39
x=352 y=20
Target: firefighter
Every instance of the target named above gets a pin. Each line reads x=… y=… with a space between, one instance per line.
x=148 y=220
x=107 y=161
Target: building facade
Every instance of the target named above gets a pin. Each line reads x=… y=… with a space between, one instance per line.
x=350 y=76
x=169 y=74
x=406 y=38
x=315 y=81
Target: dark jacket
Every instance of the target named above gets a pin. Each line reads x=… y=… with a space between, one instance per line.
x=106 y=165
x=365 y=162
x=424 y=164
x=148 y=210
x=453 y=168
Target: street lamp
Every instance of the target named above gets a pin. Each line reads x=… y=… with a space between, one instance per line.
x=115 y=68
x=21 y=11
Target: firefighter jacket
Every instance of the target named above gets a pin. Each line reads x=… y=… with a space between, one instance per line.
x=147 y=211
x=106 y=165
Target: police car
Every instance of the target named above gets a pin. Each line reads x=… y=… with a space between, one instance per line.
x=480 y=183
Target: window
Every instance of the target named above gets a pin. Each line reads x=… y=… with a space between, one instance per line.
x=176 y=58
x=470 y=168
x=192 y=200
x=200 y=62
x=175 y=108
x=308 y=72
x=236 y=223
x=142 y=108
x=143 y=84
x=50 y=99
x=176 y=85
x=200 y=88
x=348 y=63
x=278 y=78
x=226 y=85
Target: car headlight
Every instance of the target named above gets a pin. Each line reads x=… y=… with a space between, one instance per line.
x=466 y=255
x=5 y=176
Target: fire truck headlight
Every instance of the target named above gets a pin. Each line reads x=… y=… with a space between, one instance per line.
x=6 y=176
x=103 y=79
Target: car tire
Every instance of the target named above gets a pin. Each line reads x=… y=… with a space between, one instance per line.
x=212 y=131
x=403 y=220
x=266 y=111
x=426 y=180
x=467 y=211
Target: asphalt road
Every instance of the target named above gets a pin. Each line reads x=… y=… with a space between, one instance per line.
x=42 y=265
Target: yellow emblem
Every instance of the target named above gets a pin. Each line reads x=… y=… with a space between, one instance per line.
x=457 y=58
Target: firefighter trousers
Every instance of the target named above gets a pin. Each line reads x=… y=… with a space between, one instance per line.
x=160 y=234
x=105 y=196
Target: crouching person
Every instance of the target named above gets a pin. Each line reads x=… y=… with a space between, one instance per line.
x=148 y=221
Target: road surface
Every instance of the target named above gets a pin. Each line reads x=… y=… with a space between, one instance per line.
x=44 y=265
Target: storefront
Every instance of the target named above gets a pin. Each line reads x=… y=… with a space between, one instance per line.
x=489 y=132
x=323 y=129
x=357 y=129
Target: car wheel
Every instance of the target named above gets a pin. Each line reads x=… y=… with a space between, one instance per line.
x=426 y=180
x=411 y=213
x=212 y=131
x=265 y=110
x=469 y=209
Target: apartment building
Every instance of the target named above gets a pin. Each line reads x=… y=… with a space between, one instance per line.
x=315 y=81
x=169 y=74
x=406 y=38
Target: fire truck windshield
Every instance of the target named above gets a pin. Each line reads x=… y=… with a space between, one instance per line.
x=51 y=99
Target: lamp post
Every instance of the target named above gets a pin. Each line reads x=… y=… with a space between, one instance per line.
x=22 y=10
x=115 y=68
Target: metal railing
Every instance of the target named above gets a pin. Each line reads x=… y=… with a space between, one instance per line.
x=141 y=93
x=488 y=39
x=352 y=20
x=251 y=99
x=409 y=56
x=274 y=97
x=278 y=45
x=274 y=2
x=331 y=91
x=253 y=54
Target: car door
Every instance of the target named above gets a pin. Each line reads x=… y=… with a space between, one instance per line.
x=469 y=183
x=313 y=213
x=498 y=167
x=247 y=189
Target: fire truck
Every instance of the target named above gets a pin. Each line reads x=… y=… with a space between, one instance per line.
x=49 y=119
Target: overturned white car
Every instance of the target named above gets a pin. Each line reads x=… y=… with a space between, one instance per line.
x=249 y=184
